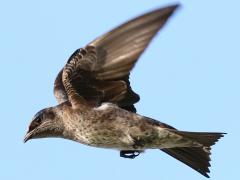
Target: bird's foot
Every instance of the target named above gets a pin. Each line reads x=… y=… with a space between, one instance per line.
x=129 y=154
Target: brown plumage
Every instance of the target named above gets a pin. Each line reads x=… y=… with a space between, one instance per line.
x=96 y=101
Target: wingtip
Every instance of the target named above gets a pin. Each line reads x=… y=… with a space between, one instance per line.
x=167 y=10
x=173 y=7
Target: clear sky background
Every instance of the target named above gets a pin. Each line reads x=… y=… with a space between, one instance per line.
x=188 y=78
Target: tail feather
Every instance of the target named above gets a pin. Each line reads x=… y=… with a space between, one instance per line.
x=198 y=158
x=188 y=156
x=205 y=138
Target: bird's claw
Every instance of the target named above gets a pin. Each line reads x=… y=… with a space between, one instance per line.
x=129 y=154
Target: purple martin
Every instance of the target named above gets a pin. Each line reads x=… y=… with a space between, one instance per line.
x=96 y=102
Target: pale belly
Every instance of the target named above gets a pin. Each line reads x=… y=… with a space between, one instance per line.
x=111 y=127
x=122 y=140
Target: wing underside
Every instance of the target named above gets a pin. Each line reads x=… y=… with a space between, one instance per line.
x=100 y=71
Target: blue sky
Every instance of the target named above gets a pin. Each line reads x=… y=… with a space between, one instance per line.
x=188 y=78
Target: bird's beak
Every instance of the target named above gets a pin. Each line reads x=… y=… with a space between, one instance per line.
x=28 y=136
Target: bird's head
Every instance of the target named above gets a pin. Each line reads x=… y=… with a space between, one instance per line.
x=45 y=123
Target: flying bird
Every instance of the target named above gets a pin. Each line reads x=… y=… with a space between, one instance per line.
x=96 y=102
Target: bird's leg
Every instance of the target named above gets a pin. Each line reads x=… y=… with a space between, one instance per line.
x=129 y=154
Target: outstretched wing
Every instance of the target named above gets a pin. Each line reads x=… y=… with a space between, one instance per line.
x=100 y=72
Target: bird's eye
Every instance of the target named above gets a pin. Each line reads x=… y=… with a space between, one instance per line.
x=35 y=123
x=38 y=120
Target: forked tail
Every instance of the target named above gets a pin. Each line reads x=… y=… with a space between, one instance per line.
x=197 y=158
